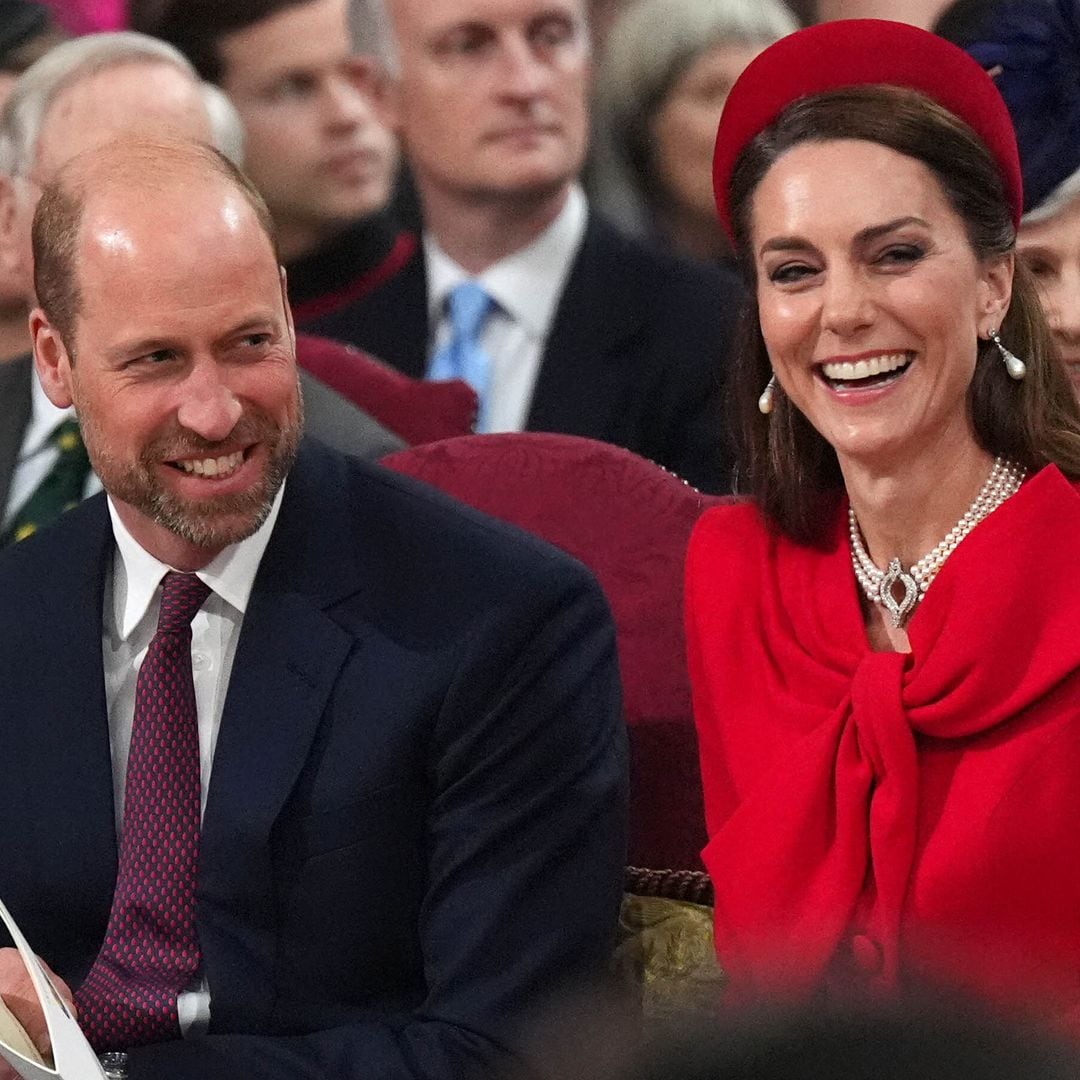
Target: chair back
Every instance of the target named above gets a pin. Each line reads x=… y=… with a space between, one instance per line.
x=416 y=410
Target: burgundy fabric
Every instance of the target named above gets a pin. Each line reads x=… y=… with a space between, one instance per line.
x=629 y=521
x=418 y=411
x=862 y=52
x=151 y=951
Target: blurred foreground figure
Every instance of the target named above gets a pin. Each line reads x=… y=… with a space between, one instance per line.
x=885 y=642
x=861 y=1042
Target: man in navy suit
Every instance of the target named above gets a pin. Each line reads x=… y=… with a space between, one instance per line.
x=586 y=331
x=410 y=762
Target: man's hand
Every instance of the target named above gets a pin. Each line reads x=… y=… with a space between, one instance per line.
x=20 y=997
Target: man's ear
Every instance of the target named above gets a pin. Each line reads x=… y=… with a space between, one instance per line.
x=51 y=359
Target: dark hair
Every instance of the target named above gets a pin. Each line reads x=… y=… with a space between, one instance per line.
x=59 y=213
x=782 y=460
x=195 y=27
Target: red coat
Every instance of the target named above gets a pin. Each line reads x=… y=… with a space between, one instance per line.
x=883 y=815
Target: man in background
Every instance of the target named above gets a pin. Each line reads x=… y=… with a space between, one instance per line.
x=560 y=322
x=317 y=149
x=82 y=94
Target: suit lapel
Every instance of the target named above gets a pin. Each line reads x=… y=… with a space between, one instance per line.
x=581 y=383
x=15 y=407
x=287 y=661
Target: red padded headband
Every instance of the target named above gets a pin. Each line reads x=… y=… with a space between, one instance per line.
x=862 y=52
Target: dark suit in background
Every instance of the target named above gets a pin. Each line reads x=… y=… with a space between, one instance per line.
x=634 y=357
x=415 y=821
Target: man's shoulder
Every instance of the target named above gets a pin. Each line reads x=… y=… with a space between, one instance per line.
x=405 y=531
x=619 y=259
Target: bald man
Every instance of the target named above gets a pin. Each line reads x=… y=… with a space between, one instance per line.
x=333 y=785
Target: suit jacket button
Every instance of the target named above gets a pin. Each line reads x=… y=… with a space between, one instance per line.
x=866 y=953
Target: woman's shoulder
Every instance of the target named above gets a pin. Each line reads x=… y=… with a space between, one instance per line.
x=734 y=526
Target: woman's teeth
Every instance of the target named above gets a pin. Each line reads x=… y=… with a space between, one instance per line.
x=849 y=371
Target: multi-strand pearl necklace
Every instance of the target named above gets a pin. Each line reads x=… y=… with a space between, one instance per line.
x=1004 y=481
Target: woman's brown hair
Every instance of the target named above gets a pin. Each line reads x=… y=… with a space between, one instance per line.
x=782 y=460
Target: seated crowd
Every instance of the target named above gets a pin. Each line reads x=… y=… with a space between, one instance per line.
x=372 y=385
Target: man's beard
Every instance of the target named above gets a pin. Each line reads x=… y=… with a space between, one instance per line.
x=214 y=522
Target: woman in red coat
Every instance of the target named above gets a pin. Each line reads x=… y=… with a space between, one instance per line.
x=885 y=641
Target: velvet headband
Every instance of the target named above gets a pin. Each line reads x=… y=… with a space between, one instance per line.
x=863 y=52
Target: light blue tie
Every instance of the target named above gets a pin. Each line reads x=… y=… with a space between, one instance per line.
x=463 y=357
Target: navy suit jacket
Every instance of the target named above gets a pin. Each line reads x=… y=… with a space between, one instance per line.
x=635 y=355
x=415 y=823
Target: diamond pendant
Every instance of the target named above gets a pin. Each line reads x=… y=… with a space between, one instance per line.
x=899 y=610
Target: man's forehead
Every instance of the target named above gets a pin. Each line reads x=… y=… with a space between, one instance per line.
x=297 y=37
x=433 y=15
x=125 y=217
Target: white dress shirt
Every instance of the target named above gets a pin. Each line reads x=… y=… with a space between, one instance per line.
x=36 y=455
x=132 y=604
x=526 y=287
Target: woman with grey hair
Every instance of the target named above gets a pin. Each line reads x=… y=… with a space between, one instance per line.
x=662 y=82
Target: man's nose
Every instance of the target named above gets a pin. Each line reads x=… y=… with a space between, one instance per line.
x=524 y=74
x=345 y=102
x=209 y=408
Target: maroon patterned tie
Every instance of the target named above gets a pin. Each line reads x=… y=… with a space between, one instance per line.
x=151 y=952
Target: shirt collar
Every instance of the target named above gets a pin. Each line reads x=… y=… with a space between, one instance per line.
x=137 y=573
x=44 y=416
x=526 y=284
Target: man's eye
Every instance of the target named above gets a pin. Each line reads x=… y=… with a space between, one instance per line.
x=466 y=42
x=255 y=341
x=552 y=32
x=159 y=356
x=294 y=88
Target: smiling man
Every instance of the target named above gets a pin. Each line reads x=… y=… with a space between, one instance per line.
x=560 y=322
x=333 y=784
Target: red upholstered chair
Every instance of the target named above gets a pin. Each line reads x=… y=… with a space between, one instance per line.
x=418 y=411
x=629 y=521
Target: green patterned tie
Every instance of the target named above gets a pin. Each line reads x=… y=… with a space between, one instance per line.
x=61 y=489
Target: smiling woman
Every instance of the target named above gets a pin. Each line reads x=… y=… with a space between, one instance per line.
x=882 y=644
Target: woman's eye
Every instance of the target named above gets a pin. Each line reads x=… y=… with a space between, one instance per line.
x=791 y=273
x=901 y=255
x=1037 y=267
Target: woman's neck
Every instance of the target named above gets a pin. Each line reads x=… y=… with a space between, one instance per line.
x=905 y=508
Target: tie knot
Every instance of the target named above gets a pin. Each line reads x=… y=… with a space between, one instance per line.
x=469 y=307
x=181 y=596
